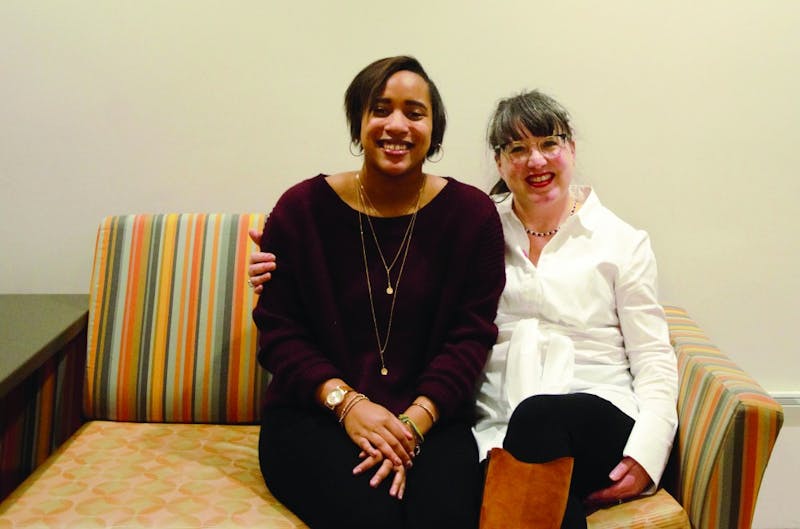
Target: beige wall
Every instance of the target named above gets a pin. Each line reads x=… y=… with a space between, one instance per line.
x=687 y=113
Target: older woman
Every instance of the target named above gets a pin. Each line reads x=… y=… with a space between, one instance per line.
x=577 y=403
x=374 y=329
x=582 y=372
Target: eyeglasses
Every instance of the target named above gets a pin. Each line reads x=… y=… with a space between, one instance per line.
x=519 y=152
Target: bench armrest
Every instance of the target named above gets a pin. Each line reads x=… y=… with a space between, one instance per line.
x=727 y=429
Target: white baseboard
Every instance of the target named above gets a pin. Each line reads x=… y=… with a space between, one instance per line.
x=787 y=398
x=790 y=400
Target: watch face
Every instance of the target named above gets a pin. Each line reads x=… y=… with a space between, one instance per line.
x=335 y=397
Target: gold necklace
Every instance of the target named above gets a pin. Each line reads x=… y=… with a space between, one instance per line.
x=365 y=200
x=409 y=231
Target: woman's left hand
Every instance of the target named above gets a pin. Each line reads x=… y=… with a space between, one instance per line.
x=630 y=479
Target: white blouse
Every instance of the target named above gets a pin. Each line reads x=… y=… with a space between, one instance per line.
x=585 y=319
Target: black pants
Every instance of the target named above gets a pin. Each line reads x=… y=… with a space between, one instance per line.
x=307 y=461
x=590 y=429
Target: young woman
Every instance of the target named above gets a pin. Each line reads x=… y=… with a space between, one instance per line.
x=374 y=330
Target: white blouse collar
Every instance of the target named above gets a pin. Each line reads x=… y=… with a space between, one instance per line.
x=586 y=216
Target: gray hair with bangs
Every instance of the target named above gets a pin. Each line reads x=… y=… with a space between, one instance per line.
x=538 y=113
x=531 y=111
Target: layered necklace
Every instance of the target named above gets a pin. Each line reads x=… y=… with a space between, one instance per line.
x=405 y=244
x=554 y=230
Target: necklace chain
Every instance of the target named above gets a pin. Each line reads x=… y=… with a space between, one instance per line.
x=404 y=246
x=554 y=230
x=365 y=201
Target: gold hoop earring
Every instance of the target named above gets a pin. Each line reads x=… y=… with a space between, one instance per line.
x=360 y=149
x=440 y=152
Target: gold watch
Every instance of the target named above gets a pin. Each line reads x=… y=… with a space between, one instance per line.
x=336 y=396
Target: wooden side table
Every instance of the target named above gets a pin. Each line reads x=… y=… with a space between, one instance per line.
x=42 y=360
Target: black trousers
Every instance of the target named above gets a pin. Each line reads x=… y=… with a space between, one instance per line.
x=588 y=428
x=307 y=461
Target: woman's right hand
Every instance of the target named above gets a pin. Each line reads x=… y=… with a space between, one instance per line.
x=381 y=436
x=262 y=264
x=398 y=487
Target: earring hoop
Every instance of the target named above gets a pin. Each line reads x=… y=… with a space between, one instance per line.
x=360 y=148
x=440 y=152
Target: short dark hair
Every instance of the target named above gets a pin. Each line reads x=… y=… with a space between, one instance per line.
x=538 y=113
x=365 y=88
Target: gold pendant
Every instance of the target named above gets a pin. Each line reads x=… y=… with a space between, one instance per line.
x=384 y=371
x=389 y=290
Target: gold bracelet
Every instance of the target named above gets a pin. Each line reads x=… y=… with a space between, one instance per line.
x=352 y=402
x=429 y=412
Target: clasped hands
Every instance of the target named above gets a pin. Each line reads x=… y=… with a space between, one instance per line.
x=385 y=443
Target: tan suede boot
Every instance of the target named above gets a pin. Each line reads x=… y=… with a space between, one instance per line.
x=519 y=495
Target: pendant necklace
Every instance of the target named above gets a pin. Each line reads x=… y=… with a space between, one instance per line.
x=365 y=201
x=404 y=246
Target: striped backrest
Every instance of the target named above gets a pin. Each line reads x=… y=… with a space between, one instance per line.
x=728 y=426
x=170 y=335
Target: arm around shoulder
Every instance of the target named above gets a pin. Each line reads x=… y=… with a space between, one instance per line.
x=287 y=347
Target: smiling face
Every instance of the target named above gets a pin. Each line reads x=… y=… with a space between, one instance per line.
x=396 y=127
x=530 y=117
x=539 y=179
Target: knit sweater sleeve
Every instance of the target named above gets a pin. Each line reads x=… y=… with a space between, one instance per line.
x=287 y=344
x=470 y=296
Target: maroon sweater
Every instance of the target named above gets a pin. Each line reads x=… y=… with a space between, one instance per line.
x=314 y=315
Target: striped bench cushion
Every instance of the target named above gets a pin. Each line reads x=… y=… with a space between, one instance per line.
x=171 y=338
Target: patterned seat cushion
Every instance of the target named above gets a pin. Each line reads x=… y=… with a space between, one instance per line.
x=659 y=511
x=132 y=475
